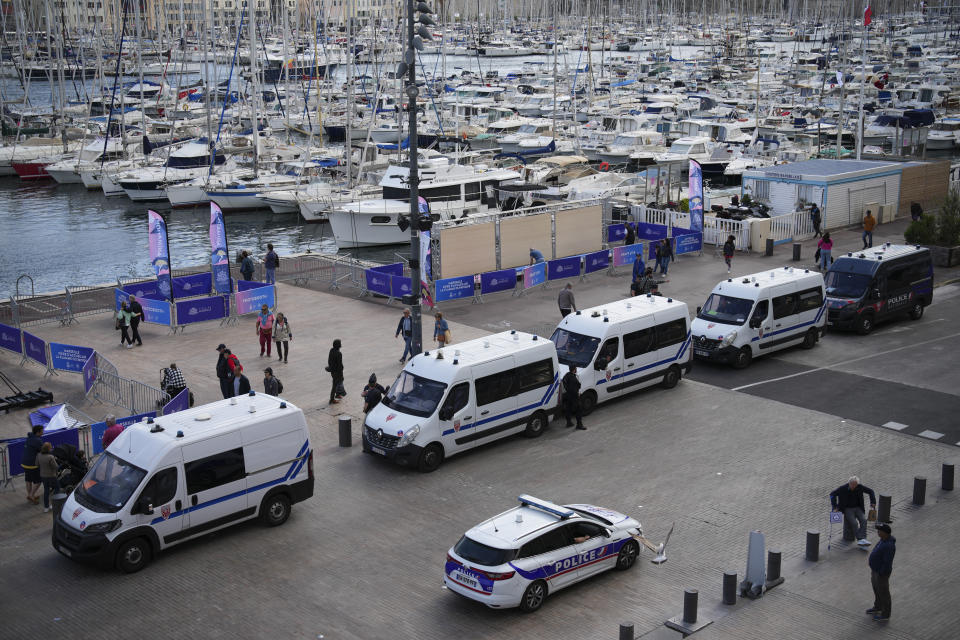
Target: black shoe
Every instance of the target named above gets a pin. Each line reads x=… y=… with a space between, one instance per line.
x=580 y=427
x=568 y=425
x=872 y=610
x=881 y=618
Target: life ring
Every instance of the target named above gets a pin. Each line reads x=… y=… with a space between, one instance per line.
x=604 y=166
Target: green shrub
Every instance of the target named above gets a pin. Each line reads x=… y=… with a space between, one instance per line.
x=941 y=229
x=922 y=231
x=685 y=205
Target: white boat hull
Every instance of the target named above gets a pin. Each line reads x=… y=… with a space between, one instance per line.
x=187 y=195
x=65 y=176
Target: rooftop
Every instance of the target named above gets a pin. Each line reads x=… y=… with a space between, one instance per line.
x=825 y=167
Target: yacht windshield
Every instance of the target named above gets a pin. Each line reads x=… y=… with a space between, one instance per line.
x=725 y=309
x=109 y=484
x=574 y=348
x=415 y=395
x=841 y=284
x=679 y=148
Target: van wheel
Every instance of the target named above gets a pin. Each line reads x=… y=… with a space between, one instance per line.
x=810 y=339
x=917 y=311
x=134 y=555
x=430 y=458
x=627 y=556
x=865 y=324
x=536 y=424
x=743 y=358
x=275 y=510
x=588 y=402
x=533 y=596
x=671 y=377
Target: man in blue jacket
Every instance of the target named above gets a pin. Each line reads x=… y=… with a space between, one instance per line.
x=881 y=566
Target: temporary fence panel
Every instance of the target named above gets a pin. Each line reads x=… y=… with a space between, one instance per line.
x=596 y=261
x=378 y=282
x=616 y=233
x=395 y=269
x=652 y=231
x=180 y=402
x=143 y=289
x=42 y=309
x=191 y=286
x=68 y=357
x=85 y=301
x=534 y=275
x=89 y=371
x=202 y=309
x=468 y=249
x=518 y=235
x=563 y=268
x=34 y=348
x=495 y=281
x=400 y=286
x=15 y=447
x=577 y=231
x=246 y=285
x=453 y=288
x=251 y=300
x=686 y=241
x=11 y=339
x=156 y=311
x=97 y=429
x=625 y=255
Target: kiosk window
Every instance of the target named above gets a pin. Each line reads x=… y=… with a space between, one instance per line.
x=783 y=306
x=671 y=333
x=213 y=471
x=638 y=342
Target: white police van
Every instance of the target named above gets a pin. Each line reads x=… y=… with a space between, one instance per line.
x=463 y=396
x=625 y=345
x=517 y=558
x=173 y=478
x=760 y=313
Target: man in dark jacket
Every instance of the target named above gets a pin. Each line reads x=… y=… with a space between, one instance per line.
x=631 y=235
x=571 y=398
x=881 y=566
x=31 y=470
x=405 y=328
x=848 y=498
x=241 y=385
x=271 y=386
x=223 y=372
x=335 y=367
x=135 y=319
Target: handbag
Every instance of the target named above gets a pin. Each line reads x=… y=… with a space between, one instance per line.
x=117 y=324
x=341 y=391
x=872 y=515
x=816 y=256
x=446 y=337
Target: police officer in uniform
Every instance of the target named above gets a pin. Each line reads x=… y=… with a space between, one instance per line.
x=571 y=398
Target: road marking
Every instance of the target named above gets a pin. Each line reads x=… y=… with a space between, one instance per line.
x=896 y=426
x=933 y=435
x=845 y=362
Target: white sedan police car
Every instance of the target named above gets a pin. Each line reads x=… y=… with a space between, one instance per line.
x=518 y=557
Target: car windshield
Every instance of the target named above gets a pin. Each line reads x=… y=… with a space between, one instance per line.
x=109 y=484
x=725 y=309
x=481 y=554
x=415 y=395
x=574 y=348
x=842 y=284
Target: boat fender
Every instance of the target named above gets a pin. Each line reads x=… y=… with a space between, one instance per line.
x=604 y=166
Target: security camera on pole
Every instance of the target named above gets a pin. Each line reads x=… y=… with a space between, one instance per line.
x=416 y=34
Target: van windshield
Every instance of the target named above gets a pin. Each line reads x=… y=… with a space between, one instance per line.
x=841 y=284
x=725 y=309
x=574 y=348
x=415 y=395
x=109 y=484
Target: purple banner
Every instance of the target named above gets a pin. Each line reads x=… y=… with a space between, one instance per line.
x=68 y=357
x=97 y=428
x=686 y=241
x=219 y=255
x=15 y=447
x=180 y=403
x=695 y=196
x=453 y=288
x=201 y=310
x=148 y=289
x=192 y=286
x=400 y=286
x=395 y=269
x=563 y=268
x=251 y=300
x=625 y=255
x=378 y=282
x=596 y=261
x=10 y=339
x=156 y=311
x=616 y=232
x=246 y=285
x=160 y=253
x=34 y=348
x=89 y=372
x=651 y=231
x=534 y=274
x=494 y=281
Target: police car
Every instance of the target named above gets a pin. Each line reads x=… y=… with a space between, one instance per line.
x=517 y=558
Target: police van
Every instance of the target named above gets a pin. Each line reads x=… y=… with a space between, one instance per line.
x=878 y=284
x=624 y=346
x=166 y=480
x=517 y=558
x=759 y=314
x=463 y=396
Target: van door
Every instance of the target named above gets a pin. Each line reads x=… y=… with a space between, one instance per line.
x=495 y=389
x=894 y=285
x=216 y=483
x=594 y=547
x=759 y=326
x=457 y=415
x=670 y=338
x=639 y=354
x=160 y=504
x=784 y=330
x=607 y=366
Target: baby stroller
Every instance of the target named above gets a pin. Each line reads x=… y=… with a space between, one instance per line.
x=73 y=465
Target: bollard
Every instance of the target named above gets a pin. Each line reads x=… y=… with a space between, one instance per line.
x=773 y=565
x=919 y=490
x=769 y=251
x=796 y=251
x=946 y=478
x=729 y=587
x=813 y=545
x=626 y=631
x=883 y=508
x=57 y=500
x=346 y=432
x=690 y=606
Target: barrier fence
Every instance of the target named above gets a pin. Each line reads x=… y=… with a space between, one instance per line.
x=11 y=451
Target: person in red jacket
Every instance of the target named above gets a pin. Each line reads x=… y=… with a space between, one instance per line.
x=113 y=430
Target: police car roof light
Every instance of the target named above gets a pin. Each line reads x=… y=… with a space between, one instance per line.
x=283 y=405
x=179 y=434
x=252 y=393
x=548 y=507
x=513 y=332
x=534 y=338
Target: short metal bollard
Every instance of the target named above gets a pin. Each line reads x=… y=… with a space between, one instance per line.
x=796 y=251
x=626 y=631
x=813 y=545
x=919 y=490
x=883 y=508
x=769 y=251
x=946 y=477
x=58 y=500
x=774 y=561
x=346 y=432
x=729 y=587
x=690 y=605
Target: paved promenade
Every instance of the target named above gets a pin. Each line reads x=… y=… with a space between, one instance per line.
x=363 y=559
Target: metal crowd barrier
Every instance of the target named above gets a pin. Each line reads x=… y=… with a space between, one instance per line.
x=132 y=395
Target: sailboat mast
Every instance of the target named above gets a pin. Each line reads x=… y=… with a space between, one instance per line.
x=254 y=91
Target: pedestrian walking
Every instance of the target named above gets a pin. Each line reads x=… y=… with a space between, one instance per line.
x=28 y=460
x=565 y=301
x=246 y=266
x=48 y=473
x=265 y=329
x=136 y=315
x=815 y=220
x=270 y=263
x=405 y=329
x=441 y=330
x=571 y=398
x=124 y=318
x=881 y=566
x=282 y=335
x=869 y=222
x=729 y=247
x=535 y=256
x=335 y=368
x=111 y=432
x=638 y=265
x=664 y=255
x=824 y=247
x=372 y=393
x=223 y=372
x=271 y=384
x=241 y=385
x=631 y=235
x=848 y=498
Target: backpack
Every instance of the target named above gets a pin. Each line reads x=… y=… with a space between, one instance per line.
x=279 y=385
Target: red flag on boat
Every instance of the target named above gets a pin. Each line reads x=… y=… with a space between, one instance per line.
x=867 y=16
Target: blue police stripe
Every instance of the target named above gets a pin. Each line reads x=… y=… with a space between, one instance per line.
x=545 y=399
x=683 y=349
x=823 y=308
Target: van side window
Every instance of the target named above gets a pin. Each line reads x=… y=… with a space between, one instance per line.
x=535 y=375
x=783 y=306
x=809 y=300
x=638 y=342
x=608 y=352
x=213 y=471
x=763 y=308
x=458 y=398
x=671 y=333
x=496 y=387
x=162 y=487
x=898 y=278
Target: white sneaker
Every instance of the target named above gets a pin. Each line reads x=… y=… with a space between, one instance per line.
x=46 y=509
x=129 y=346
x=728 y=270
x=863 y=542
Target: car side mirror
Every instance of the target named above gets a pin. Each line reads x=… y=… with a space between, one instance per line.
x=145 y=506
x=607 y=533
x=755 y=322
x=599 y=365
x=875 y=294
x=699 y=309
x=446 y=413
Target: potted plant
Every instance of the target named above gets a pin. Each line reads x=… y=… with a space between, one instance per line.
x=939 y=231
